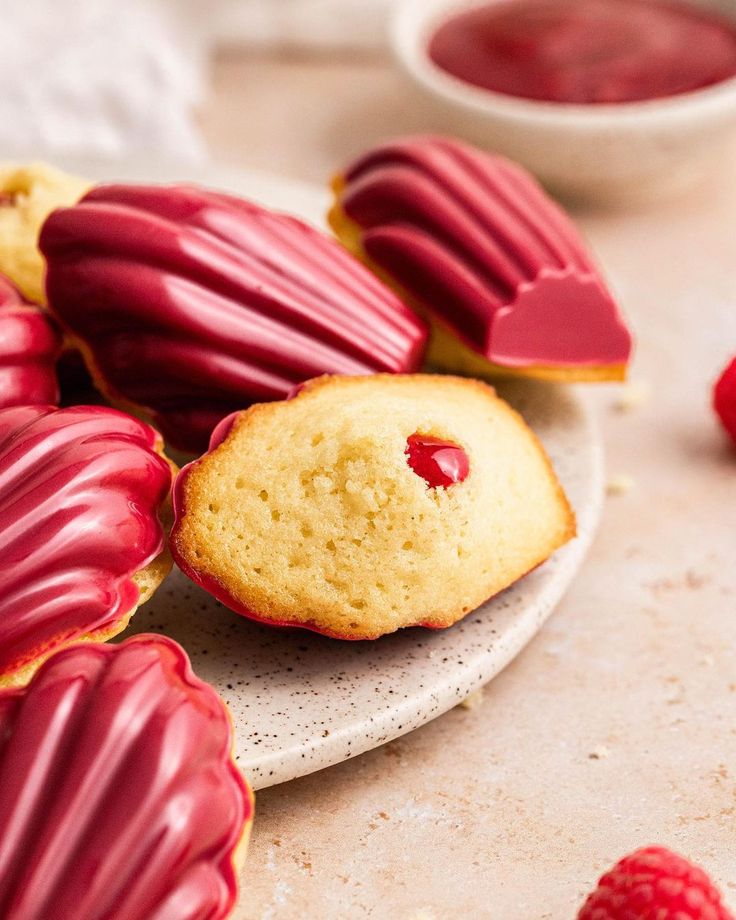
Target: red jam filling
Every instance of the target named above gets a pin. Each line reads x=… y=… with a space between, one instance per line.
x=587 y=51
x=438 y=462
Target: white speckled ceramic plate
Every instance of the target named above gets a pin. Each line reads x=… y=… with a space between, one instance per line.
x=300 y=701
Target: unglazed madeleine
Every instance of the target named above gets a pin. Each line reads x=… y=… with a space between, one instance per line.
x=119 y=799
x=367 y=504
x=190 y=304
x=30 y=344
x=28 y=194
x=473 y=242
x=84 y=495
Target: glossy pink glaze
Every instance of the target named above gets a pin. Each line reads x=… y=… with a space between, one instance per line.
x=29 y=346
x=195 y=304
x=475 y=241
x=439 y=463
x=80 y=492
x=118 y=795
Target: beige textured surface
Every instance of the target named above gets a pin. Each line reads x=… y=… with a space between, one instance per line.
x=500 y=811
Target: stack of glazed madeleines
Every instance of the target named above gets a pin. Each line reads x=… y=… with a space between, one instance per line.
x=330 y=484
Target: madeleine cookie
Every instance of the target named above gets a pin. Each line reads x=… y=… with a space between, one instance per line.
x=28 y=194
x=473 y=242
x=189 y=304
x=367 y=504
x=84 y=496
x=118 y=794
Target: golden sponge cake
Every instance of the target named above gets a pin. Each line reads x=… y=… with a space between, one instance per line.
x=28 y=194
x=367 y=504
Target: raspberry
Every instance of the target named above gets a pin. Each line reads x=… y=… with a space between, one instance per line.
x=654 y=884
x=724 y=398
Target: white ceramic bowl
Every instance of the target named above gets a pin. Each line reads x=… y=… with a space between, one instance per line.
x=625 y=151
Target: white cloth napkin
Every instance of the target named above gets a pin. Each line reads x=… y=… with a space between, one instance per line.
x=122 y=79
x=101 y=77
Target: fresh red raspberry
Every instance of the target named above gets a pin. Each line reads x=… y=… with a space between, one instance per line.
x=724 y=398
x=654 y=884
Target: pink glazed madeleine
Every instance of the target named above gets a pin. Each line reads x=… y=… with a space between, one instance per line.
x=118 y=794
x=84 y=496
x=189 y=304
x=474 y=243
x=30 y=344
